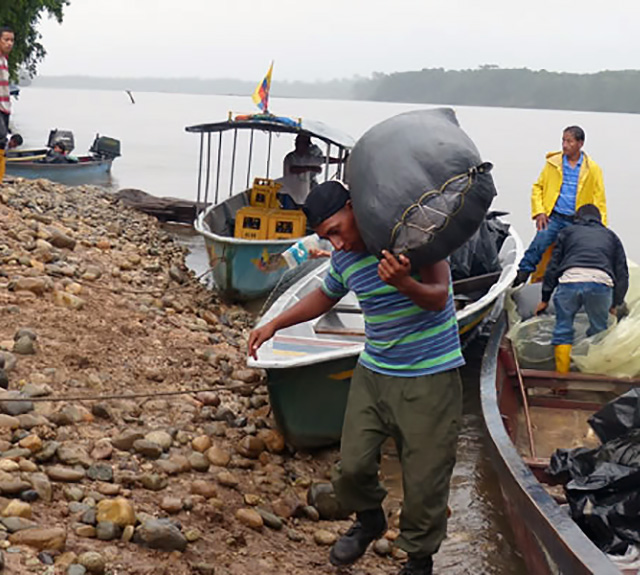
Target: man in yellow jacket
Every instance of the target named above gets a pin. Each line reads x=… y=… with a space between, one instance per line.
x=570 y=179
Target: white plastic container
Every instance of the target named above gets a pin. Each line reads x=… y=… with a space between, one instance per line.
x=298 y=253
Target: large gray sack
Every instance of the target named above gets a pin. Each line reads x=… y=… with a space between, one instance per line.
x=418 y=186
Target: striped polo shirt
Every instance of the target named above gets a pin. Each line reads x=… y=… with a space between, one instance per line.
x=5 y=99
x=402 y=339
x=566 y=202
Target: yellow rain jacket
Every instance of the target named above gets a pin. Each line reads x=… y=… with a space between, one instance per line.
x=546 y=190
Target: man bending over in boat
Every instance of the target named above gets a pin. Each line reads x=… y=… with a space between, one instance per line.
x=588 y=269
x=406 y=385
x=568 y=180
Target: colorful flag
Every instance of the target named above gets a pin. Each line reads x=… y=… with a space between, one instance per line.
x=261 y=95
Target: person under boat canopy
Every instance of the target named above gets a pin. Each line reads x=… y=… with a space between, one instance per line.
x=299 y=170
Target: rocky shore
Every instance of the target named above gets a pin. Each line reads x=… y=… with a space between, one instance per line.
x=95 y=300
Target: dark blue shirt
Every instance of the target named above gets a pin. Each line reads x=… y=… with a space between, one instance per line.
x=566 y=203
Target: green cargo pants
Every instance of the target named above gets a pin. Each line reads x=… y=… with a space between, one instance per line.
x=422 y=415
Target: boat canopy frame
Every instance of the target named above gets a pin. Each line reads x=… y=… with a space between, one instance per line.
x=258 y=123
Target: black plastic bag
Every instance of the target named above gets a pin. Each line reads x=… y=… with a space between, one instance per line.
x=418 y=186
x=479 y=255
x=602 y=484
x=618 y=416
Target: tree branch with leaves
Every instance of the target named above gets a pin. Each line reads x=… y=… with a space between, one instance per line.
x=23 y=16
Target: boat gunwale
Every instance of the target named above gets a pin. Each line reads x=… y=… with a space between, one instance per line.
x=567 y=531
x=42 y=166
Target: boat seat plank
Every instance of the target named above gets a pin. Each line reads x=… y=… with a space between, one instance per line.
x=538 y=375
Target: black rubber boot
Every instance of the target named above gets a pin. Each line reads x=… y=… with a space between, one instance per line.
x=418 y=566
x=521 y=278
x=369 y=525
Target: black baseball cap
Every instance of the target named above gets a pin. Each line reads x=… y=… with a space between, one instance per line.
x=325 y=200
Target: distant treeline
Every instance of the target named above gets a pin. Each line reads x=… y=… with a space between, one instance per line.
x=486 y=86
x=334 y=89
x=512 y=88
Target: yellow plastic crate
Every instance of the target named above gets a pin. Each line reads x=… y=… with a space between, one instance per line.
x=264 y=193
x=252 y=223
x=286 y=224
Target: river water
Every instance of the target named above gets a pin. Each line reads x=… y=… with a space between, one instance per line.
x=161 y=158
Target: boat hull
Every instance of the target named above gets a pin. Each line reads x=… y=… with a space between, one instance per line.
x=309 y=402
x=548 y=539
x=91 y=172
x=238 y=269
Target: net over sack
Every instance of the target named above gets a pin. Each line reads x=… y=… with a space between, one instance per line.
x=418 y=186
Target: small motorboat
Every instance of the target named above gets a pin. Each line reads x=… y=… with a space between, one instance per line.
x=92 y=168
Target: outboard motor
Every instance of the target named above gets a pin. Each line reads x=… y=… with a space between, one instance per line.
x=105 y=147
x=63 y=136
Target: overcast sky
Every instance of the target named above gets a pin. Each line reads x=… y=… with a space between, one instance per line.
x=325 y=39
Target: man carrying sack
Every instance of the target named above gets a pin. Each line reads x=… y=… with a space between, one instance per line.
x=406 y=385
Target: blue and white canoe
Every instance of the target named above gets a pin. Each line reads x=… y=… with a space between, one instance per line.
x=309 y=366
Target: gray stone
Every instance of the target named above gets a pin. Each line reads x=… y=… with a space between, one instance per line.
x=25 y=332
x=124 y=441
x=67 y=474
x=89 y=517
x=93 y=562
x=270 y=520
x=42 y=486
x=24 y=346
x=101 y=410
x=59 y=239
x=294 y=535
x=162 y=438
x=100 y=472
x=199 y=462
x=76 y=569
x=17 y=453
x=8 y=360
x=31 y=420
x=48 y=451
x=34 y=390
x=73 y=493
x=14 y=524
x=108 y=531
x=311 y=512
x=147 y=448
x=322 y=497
x=13 y=486
x=382 y=547
x=78 y=507
x=17 y=406
x=73 y=455
x=160 y=534
x=154 y=481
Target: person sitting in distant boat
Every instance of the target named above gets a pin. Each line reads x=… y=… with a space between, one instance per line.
x=588 y=269
x=15 y=142
x=299 y=169
x=57 y=155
